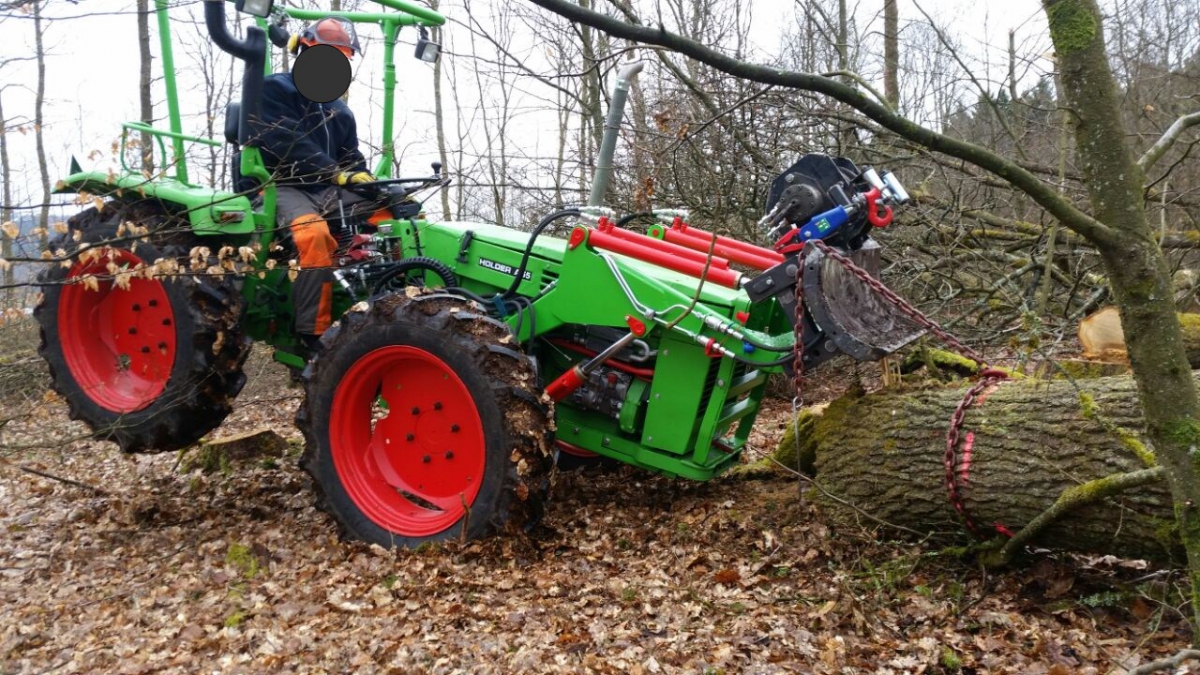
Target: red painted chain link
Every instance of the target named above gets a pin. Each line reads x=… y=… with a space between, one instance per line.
x=950 y=458
x=988 y=376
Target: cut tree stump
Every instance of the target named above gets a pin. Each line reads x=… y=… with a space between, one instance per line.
x=218 y=454
x=881 y=456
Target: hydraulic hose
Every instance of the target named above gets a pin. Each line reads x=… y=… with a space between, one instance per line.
x=404 y=267
x=768 y=348
x=520 y=275
x=458 y=291
x=634 y=216
x=759 y=364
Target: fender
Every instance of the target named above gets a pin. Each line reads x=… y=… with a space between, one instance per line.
x=211 y=212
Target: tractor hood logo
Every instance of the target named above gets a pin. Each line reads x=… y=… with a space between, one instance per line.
x=503 y=269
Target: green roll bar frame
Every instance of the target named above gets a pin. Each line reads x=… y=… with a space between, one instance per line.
x=407 y=14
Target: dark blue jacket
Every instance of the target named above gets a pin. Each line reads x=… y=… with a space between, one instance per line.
x=305 y=144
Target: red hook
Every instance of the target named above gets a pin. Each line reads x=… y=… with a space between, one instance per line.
x=873 y=214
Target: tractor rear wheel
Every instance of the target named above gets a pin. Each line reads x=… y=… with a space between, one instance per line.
x=150 y=363
x=424 y=422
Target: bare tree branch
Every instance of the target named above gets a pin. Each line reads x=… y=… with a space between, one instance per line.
x=1168 y=139
x=1042 y=193
x=1166 y=664
x=983 y=92
x=862 y=83
x=713 y=109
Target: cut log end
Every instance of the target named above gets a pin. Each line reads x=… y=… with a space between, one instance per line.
x=1102 y=340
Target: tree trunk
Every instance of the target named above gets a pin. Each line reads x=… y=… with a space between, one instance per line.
x=591 y=98
x=1029 y=441
x=847 y=137
x=891 y=53
x=1138 y=271
x=5 y=210
x=439 y=116
x=144 y=94
x=38 y=131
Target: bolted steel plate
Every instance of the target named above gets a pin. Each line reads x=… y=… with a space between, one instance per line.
x=851 y=313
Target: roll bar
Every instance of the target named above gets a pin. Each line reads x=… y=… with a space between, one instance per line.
x=425 y=14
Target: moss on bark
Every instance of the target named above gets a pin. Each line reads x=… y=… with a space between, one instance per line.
x=1072 y=25
x=1034 y=444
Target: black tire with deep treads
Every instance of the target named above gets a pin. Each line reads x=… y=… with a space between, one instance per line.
x=503 y=384
x=210 y=345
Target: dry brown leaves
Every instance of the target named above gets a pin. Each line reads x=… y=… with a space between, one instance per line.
x=237 y=572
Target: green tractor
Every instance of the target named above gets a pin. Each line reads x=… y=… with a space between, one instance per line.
x=468 y=358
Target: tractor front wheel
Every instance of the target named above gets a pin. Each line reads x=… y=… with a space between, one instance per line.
x=423 y=422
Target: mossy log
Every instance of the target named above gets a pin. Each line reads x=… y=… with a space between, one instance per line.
x=1030 y=440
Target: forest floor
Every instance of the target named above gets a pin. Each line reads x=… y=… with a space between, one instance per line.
x=153 y=565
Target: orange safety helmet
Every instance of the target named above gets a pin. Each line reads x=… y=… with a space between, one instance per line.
x=333 y=31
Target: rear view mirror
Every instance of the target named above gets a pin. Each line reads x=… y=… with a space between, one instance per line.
x=259 y=8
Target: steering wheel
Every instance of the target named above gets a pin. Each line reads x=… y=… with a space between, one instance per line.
x=378 y=186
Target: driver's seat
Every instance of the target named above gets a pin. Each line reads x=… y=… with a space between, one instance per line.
x=240 y=183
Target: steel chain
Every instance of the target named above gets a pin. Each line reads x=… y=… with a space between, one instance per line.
x=988 y=376
x=798 y=366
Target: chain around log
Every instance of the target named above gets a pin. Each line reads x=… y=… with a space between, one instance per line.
x=988 y=376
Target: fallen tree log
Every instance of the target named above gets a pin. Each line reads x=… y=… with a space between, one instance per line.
x=1033 y=451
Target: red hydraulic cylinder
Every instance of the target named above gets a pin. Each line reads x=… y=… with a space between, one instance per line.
x=674 y=249
x=566 y=383
x=738 y=251
x=759 y=261
x=679 y=225
x=663 y=254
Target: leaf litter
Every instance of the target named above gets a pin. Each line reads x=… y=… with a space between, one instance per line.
x=174 y=569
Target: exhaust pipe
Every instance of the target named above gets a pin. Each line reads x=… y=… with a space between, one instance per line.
x=612 y=127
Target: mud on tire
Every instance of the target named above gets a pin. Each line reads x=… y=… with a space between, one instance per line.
x=391 y=401
x=188 y=345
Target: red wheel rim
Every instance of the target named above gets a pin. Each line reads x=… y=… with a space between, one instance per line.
x=407 y=441
x=118 y=340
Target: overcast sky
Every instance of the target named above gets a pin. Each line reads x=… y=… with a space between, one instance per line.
x=92 y=72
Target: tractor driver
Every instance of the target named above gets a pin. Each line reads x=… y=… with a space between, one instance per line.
x=311 y=147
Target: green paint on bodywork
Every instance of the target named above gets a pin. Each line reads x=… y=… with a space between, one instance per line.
x=203 y=206
x=1072 y=25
